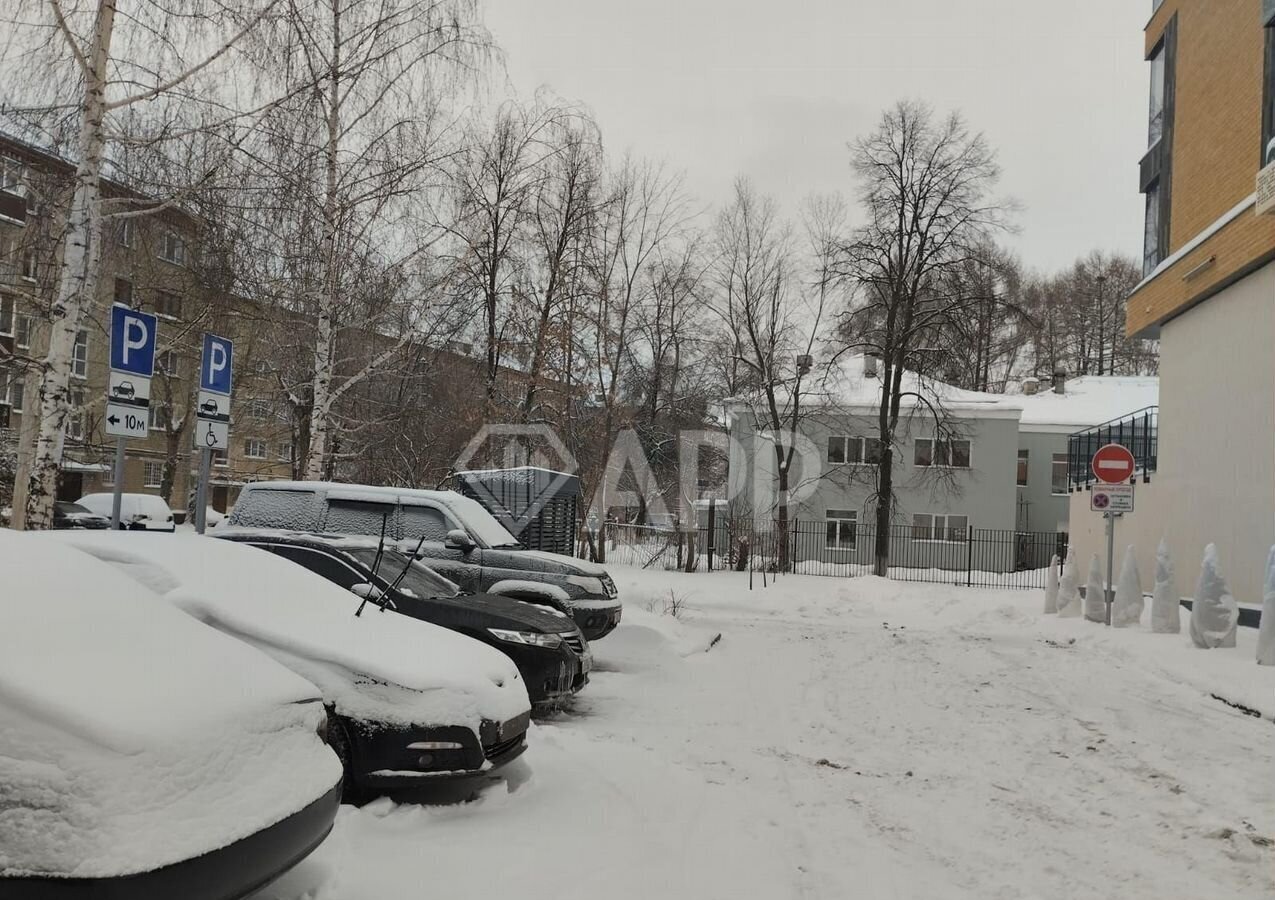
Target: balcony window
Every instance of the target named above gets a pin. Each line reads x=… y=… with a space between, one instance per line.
x=1152 y=252
x=1156 y=126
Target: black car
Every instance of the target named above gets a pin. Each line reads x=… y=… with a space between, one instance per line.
x=546 y=645
x=463 y=542
x=72 y=515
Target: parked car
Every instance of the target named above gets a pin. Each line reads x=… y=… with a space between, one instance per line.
x=463 y=542
x=138 y=512
x=143 y=755
x=409 y=701
x=73 y=515
x=546 y=645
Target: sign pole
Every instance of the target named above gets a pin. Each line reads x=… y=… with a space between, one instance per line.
x=201 y=491
x=117 y=492
x=1111 y=557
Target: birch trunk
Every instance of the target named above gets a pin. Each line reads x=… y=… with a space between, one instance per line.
x=77 y=277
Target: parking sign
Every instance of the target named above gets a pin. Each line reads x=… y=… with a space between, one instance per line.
x=212 y=431
x=214 y=368
x=128 y=388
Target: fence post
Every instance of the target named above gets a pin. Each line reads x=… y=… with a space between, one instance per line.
x=969 y=556
x=712 y=531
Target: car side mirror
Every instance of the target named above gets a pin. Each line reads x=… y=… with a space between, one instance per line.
x=459 y=539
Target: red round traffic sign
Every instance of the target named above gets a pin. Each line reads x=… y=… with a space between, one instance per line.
x=1113 y=464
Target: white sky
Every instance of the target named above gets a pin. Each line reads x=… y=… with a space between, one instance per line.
x=775 y=90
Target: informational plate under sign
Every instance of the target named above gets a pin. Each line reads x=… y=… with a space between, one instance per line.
x=211 y=435
x=123 y=420
x=1112 y=498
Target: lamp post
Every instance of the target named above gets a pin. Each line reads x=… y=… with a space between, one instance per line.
x=1102 y=321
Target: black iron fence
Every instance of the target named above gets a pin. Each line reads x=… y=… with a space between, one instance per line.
x=974 y=557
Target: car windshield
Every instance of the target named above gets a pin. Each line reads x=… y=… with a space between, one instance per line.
x=419 y=581
x=72 y=509
x=481 y=524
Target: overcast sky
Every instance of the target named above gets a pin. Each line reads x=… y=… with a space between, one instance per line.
x=774 y=91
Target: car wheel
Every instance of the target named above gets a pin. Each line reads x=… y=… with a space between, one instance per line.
x=339 y=741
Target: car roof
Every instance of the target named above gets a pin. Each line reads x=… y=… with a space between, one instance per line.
x=371 y=492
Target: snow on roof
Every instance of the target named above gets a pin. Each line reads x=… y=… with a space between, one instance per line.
x=1088 y=400
x=306 y=622
x=131 y=735
x=847 y=386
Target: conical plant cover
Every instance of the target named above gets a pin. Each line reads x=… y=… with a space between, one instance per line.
x=1214 y=614
x=1095 y=593
x=1051 y=587
x=1266 y=632
x=1166 y=602
x=1129 y=604
x=1069 y=589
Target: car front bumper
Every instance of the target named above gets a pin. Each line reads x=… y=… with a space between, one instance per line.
x=597 y=616
x=386 y=759
x=229 y=873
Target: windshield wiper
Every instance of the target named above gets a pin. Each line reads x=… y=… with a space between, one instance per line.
x=376 y=566
x=401 y=575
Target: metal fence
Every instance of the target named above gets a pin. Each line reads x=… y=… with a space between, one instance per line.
x=1139 y=432
x=973 y=557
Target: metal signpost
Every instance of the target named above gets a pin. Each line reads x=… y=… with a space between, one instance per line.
x=128 y=389
x=212 y=414
x=1113 y=466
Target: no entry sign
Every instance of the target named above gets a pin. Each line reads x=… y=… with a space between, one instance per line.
x=1113 y=464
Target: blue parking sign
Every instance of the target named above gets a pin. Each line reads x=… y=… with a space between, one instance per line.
x=214 y=367
x=132 y=341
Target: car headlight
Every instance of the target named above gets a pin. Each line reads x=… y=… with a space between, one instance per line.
x=590 y=583
x=530 y=638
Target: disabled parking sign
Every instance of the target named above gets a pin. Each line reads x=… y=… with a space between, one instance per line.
x=212 y=412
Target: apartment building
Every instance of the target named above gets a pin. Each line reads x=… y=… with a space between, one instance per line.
x=153 y=262
x=1209 y=292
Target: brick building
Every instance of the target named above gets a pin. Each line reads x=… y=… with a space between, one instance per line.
x=1209 y=290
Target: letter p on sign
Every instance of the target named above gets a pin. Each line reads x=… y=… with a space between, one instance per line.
x=215 y=368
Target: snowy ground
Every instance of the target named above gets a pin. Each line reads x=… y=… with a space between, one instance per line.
x=854 y=738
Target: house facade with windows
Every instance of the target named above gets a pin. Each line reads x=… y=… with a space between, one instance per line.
x=1209 y=292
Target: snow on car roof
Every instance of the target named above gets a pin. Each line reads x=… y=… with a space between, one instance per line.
x=361 y=664
x=62 y=625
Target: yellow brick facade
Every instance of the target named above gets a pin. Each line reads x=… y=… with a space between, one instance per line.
x=1216 y=152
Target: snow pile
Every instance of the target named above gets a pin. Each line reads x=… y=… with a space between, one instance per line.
x=1129 y=604
x=124 y=746
x=1266 y=636
x=1095 y=593
x=1051 y=587
x=380 y=666
x=1215 y=615
x=1166 y=602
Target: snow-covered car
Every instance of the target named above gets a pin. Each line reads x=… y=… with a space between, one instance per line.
x=138 y=512
x=464 y=542
x=144 y=755
x=72 y=515
x=409 y=701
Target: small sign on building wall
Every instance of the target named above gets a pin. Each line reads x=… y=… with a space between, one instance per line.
x=1266 y=191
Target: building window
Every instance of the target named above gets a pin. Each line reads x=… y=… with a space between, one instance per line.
x=12 y=176
x=157 y=417
x=168 y=304
x=80 y=355
x=152 y=474
x=124 y=292
x=108 y=474
x=1151 y=249
x=1059 y=473
x=1022 y=468
x=219 y=457
x=1268 y=95
x=1156 y=124
x=949 y=454
x=285 y=451
x=854 y=450
x=259 y=410
x=30 y=266
x=837 y=449
x=168 y=363
x=172 y=249
x=75 y=418
x=126 y=233
x=23 y=326
x=948 y=528
x=12 y=388
x=254 y=449
x=7 y=305
x=842 y=529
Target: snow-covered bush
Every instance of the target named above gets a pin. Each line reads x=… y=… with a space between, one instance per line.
x=1166 y=602
x=1069 y=588
x=1128 y=606
x=1214 y=614
x=1095 y=593
x=1051 y=587
x=1266 y=633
